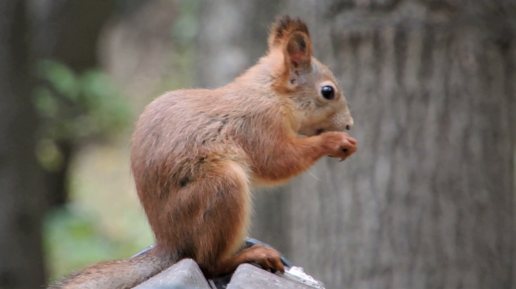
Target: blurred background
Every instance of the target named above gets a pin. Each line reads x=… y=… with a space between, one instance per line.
x=427 y=202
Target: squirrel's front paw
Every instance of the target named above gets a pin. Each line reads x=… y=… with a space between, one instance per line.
x=339 y=144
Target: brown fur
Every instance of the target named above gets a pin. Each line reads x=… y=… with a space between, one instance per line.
x=195 y=153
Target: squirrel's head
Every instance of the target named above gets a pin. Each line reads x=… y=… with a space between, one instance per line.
x=319 y=102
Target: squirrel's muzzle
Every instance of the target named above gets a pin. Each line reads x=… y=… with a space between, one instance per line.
x=349 y=123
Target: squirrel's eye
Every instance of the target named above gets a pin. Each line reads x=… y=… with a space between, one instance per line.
x=328 y=92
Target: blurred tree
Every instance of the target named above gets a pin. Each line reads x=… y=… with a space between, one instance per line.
x=67 y=33
x=427 y=202
x=22 y=201
x=230 y=45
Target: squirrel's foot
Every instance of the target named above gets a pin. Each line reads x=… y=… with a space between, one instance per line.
x=267 y=258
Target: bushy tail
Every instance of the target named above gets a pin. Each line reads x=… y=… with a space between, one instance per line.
x=120 y=274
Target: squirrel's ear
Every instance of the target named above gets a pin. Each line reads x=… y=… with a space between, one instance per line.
x=298 y=51
x=292 y=37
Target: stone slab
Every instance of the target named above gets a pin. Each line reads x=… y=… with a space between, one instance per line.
x=185 y=274
x=251 y=277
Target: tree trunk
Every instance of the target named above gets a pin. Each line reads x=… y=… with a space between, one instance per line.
x=67 y=31
x=427 y=202
x=21 y=185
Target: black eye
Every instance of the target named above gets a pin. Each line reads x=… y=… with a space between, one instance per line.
x=328 y=92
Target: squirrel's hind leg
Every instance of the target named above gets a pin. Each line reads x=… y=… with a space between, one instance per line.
x=220 y=226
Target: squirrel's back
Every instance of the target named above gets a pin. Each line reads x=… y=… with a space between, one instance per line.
x=185 y=124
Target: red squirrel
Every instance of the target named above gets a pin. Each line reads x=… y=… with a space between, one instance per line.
x=197 y=152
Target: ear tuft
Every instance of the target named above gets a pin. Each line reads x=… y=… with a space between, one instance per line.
x=291 y=37
x=283 y=28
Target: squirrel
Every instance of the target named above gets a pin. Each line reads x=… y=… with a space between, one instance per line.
x=197 y=152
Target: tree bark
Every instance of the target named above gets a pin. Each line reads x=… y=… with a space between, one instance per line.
x=427 y=202
x=21 y=186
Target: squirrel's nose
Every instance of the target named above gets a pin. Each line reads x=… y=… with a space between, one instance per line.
x=349 y=125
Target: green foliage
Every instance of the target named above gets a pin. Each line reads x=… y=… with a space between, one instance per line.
x=187 y=24
x=75 y=107
x=74 y=239
x=183 y=32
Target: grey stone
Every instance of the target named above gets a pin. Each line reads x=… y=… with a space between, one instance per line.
x=185 y=274
x=251 y=277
